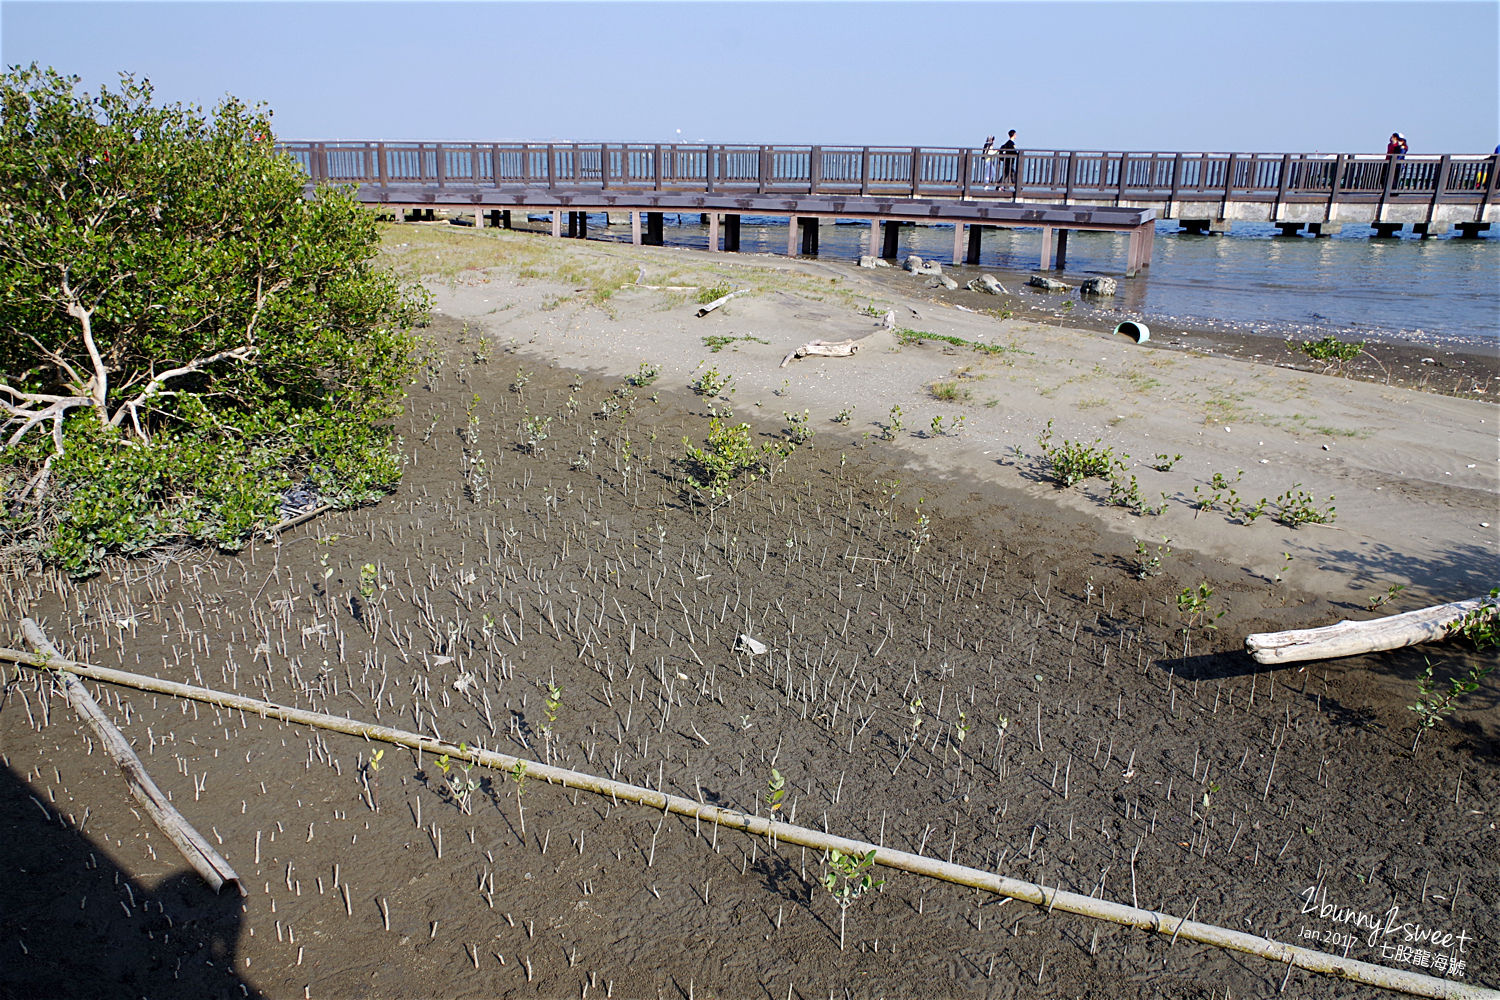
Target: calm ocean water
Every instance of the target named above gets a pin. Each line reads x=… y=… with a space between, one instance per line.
x=1436 y=291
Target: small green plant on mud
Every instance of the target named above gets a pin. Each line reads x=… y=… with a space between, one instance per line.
x=523 y=376
x=461 y=785
x=890 y=490
x=797 y=429
x=1296 y=507
x=482 y=350
x=920 y=533
x=710 y=382
x=518 y=775
x=961 y=730
x=534 y=430
x=1147 y=562
x=1332 y=349
x=368 y=575
x=893 y=425
x=726 y=456
x=1481 y=626
x=1127 y=493
x=1390 y=594
x=1196 y=611
x=844 y=415
x=644 y=375
x=849 y=877
x=1207 y=799
x=372 y=779
x=775 y=790
x=1219 y=487
x=471 y=428
x=1164 y=462
x=552 y=704
x=1072 y=462
x=716 y=343
x=914 y=718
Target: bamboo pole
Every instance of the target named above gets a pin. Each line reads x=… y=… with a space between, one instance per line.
x=1350 y=638
x=205 y=860
x=1039 y=895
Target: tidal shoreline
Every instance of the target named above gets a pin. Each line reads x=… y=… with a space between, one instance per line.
x=1452 y=366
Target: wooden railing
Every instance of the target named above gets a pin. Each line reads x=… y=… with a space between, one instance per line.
x=905 y=172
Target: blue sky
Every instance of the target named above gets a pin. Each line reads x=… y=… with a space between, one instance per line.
x=1255 y=77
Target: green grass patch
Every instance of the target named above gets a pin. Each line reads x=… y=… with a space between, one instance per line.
x=715 y=344
x=917 y=338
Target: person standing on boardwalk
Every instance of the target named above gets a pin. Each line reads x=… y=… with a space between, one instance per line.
x=1008 y=155
x=1395 y=150
x=989 y=155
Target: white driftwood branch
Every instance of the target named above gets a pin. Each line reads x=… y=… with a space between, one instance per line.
x=153 y=387
x=825 y=349
x=759 y=826
x=55 y=408
x=205 y=860
x=716 y=303
x=1350 y=638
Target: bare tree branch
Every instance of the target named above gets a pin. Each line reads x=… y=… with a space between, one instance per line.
x=155 y=385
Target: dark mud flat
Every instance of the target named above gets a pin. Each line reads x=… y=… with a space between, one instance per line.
x=992 y=686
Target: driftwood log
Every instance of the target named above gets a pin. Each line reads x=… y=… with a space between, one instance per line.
x=825 y=349
x=716 y=303
x=1350 y=638
x=205 y=860
x=1050 y=897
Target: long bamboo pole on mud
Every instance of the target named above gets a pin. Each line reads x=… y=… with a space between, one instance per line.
x=1040 y=895
x=199 y=853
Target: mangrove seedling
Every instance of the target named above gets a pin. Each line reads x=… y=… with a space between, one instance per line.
x=1296 y=507
x=1432 y=705
x=1196 y=611
x=1164 y=463
x=797 y=429
x=775 y=789
x=552 y=704
x=889 y=431
x=367 y=577
x=1385 y=598
x=461 y=788
x=518 y=775
x=710 y=383
x=849 y=877
x=372 y=779
x=1072 y=462
x=644 y=375
x=1148 y=563
x=1332 y=349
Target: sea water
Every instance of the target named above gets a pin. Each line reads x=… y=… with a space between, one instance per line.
x=1440 y=291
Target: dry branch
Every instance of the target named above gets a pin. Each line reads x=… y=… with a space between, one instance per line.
x=205 y=860
x=1039 y=895
x=1350 y=638
x=716 y=303
x=825 y=349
